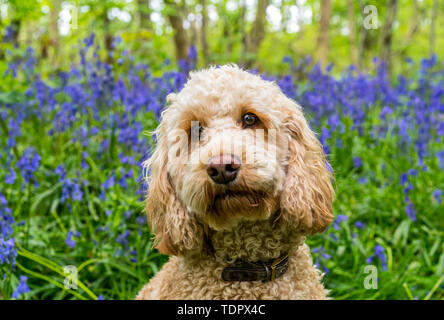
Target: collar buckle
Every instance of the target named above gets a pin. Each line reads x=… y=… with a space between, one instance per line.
x=263 y=271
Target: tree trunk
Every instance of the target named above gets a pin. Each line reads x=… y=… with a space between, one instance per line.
x=54 y=23
x=144 y=13
x=15 y=25
x=322 y=42
x=352 y=29
x=417 y=16
x=286 y=15
x=203 y=31
x=53 y=30
x=433 y=26
x=243 y=33
x=108 y=36
x=226 y=34
x=367 y=40
x=387 y=33
x=2 y=55
x=180 y=34
x=193 y=31
x=257 y=32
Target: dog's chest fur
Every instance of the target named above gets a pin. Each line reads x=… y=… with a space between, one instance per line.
x=200 y=277
x=253 y=241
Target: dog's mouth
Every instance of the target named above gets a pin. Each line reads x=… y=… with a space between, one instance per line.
x=231 y=206
x=250 y=198
x=237 y=202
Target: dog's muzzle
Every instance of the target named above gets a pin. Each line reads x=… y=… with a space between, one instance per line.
x=263 y=271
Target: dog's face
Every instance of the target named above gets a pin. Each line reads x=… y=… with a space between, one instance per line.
x=232 y=147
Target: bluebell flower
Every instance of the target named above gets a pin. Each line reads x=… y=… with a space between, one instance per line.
x=287 y=59
x=357 y=161
x=359 y=224
x=29 y=163
x=123 y=238
x=192 y=53
x=333 y=237
x=379 y=253
x=70 y=242
x=116 y=41
x=408 y=188
x=339 y=219
x=363 y=180
x=89 y=41
x=8 y=251
x=440 y=156
x=10 y=177
x=11 y=70
x=133 y=256
x=404 y=179
x=437 y=194
x=126 y=175
x=141 y=220
x=385 y=111
x=9 y=34
x=410 y=211
x=334 y=122
x=84 y=164
x=61 y=172
x=321 y=258
x=329 y=68
x=109 y=183
x=71 y=190
x=22 y=288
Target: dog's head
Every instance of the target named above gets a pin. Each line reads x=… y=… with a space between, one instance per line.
x=230 y=147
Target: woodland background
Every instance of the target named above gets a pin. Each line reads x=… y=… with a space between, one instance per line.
x=252 y=33
x=82 y=83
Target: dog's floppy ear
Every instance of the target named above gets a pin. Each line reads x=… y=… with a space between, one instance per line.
x=306 y=200
x=176 y=230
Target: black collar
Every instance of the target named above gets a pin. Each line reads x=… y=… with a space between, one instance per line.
x=263 y=271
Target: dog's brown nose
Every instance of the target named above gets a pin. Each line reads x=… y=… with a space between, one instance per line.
x=223 y=168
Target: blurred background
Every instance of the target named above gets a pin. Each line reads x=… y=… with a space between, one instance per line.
x=83 y=83
x=253 y=33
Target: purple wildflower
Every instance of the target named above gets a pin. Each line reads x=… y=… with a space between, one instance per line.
x=339 y=218
x=359 y=224
x=29 y=163
x=379 y=253
x=411 y=212
x=70 y=242
x=437 y=194
x=357 y=161
x=10 y=177
x=22 y=288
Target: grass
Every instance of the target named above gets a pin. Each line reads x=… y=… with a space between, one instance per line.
x=82 y=202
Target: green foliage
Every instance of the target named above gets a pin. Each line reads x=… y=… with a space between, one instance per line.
x=114 y=264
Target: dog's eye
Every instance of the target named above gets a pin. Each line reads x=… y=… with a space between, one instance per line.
x=249 y=120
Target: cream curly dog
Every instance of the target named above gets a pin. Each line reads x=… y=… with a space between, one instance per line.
x=233 y=206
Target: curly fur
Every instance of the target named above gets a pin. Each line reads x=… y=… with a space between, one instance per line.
x=282 y=193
